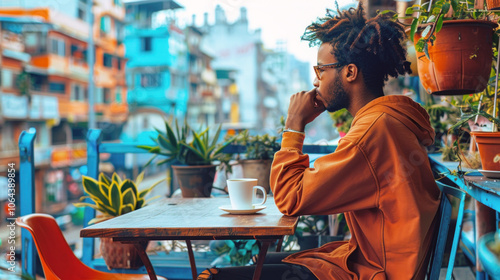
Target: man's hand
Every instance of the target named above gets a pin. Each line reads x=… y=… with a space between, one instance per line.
x=303 y=109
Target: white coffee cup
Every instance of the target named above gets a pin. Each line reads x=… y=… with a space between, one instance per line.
x=242 y=191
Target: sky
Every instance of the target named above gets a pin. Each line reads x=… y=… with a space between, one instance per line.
x=278 y=19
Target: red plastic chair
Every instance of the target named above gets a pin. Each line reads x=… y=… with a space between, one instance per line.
x=58 y=261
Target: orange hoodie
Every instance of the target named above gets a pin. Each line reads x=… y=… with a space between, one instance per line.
x=380 y=178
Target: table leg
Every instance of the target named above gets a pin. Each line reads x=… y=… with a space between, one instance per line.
x=145 y=260
x=191 y=259
x=262 y=255
x=485 y=223
x=280 y=243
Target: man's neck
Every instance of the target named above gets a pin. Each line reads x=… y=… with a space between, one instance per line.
x=363 y=99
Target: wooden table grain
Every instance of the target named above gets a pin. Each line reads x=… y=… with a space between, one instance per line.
x=195 y=219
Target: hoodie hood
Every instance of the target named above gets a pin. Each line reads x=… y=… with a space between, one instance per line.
x=403 y=108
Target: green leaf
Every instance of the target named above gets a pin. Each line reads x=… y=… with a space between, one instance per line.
x=426 y=51
x=104 y=190
x=116 y=178
x=139 y=178
x=171 y=135
x=140 y=203
x=128 y=197
x=104 y=179
x=409 y=11
x=85 y=204
x=419 y=46
x=91 y=187
x=426 y=31
x=114 y=195
x=445 y=8
x=249 y=244
x=413 y=29
x=454 y=5
x=126 y=209
x=439 y=23
x=128 y=184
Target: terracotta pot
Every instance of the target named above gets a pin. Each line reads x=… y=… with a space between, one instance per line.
x=259 y=169
x=120 y=255
x=196 y=180
x=493 y=4
x=489 y=149
x=460 y=58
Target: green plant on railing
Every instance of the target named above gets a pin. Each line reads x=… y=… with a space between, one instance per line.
x=114 y=196
x=258 y=146
x=236 y=252
x=187 y=146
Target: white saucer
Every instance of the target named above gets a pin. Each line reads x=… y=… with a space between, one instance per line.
x=229 y=209
x=490 y=173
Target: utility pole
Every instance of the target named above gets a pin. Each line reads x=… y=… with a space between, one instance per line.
x=90 y=62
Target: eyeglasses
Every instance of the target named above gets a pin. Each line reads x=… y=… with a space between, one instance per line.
x=318 y=69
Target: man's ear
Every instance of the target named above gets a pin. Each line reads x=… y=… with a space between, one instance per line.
x=352 y=72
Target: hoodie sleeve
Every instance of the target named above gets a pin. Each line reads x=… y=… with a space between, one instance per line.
x=339 y=182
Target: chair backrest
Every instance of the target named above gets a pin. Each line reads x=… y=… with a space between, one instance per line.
x=443 y=223
x=56 y=256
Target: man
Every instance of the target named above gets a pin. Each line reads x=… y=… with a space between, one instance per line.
x=379 y=176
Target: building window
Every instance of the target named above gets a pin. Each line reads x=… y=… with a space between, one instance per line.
x=57 y=87
x=82 y=10
x=58 y=47
x=120 y=35
x=35 y=42
x=151 y=80
x=119 y=64
x=98 y=95
x=146 y=44
x=118 y=95
x=106 y=24
x=106 y=92
x=77 y=93
x=107 y=60
x=7 y=78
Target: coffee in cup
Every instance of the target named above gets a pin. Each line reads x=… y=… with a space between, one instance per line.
x=242 y=191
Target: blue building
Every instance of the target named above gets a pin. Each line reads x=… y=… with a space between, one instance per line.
x=157 y=66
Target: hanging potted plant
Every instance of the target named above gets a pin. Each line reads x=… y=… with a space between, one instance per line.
x=114 y=197
x=256 y=161
x=483 y=127
x=194 y=156
x=454 y=43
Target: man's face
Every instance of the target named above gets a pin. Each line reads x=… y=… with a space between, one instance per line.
x=330 y=85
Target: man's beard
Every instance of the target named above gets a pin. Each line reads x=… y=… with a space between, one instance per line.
x=340 y=99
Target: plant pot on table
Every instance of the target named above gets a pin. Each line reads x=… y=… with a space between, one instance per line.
x=195 y=180
x=489 y=149
x=259 y=169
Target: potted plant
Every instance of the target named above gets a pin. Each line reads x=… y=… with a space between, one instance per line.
x=342 y=120
x=193 y=156
x=257 y=160
x=312 y=230
x=114 y=197
x=453 y=41
x=234 y=252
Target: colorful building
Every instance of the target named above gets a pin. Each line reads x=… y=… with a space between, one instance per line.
x=46 y=75
x=157 y=67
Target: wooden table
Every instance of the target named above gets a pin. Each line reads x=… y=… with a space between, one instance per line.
x=195 y=219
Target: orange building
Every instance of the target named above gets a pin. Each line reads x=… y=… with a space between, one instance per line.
x=45 y=84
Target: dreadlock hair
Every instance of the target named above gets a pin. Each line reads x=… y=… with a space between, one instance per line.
x=373 y=45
